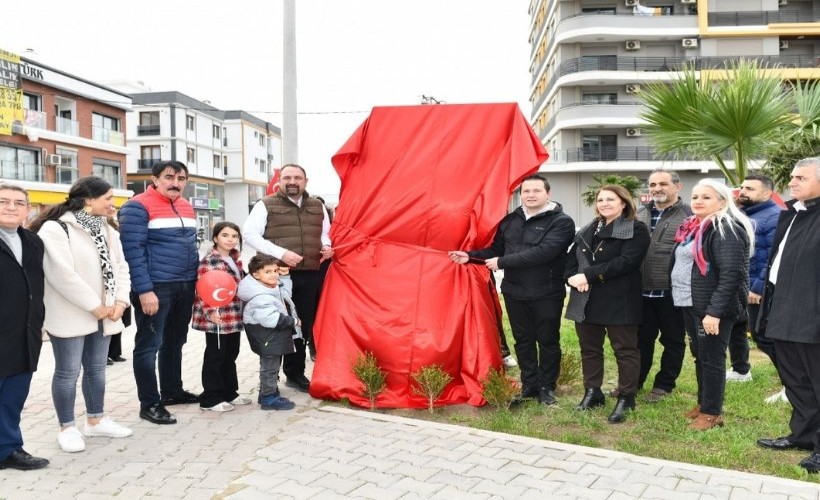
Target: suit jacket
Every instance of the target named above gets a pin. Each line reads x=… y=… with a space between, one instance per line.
x=22 y=310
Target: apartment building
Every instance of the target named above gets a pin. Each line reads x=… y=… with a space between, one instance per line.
x=230 y=155
x=589 y=59
x=65 y=127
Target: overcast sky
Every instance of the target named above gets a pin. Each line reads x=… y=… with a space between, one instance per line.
x=352 y=55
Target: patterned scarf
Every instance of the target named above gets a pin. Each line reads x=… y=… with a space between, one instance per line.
x=92 y=224
x=692 y=228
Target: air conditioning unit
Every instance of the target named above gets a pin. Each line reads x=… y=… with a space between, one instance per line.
x=689 y=43
x=633 y=132
x=689 y=2
x=632 y=3
x=54 y=160
x=633 y=45
x=784 y=44
x=633 y=88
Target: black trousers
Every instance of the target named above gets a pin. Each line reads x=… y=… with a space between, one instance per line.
x=624 y=341
x=536 y=328
x=306 y=287
x=799 y=370
x=219 y=381
x=764 y=343
x=660 y=314
x=709 y=352
x=739 y=348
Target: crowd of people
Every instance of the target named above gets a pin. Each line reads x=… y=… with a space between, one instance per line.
x=710 y=269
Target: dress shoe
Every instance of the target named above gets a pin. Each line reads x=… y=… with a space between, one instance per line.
x=109 y=362
x=183 y=398
x=704 y=422
x=21 y=460
x=656 y=395
x=811 y=463
x=693 y=413
x=117 y=359
x=781 y=443
x=547 y=396
x=593 y=397
x=157 y=414
x=301 y=383
x=626 y=403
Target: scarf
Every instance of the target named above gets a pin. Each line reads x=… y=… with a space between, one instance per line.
x=690 y=229
x=92 y=224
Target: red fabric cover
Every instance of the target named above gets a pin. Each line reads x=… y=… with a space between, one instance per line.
x=418 y=181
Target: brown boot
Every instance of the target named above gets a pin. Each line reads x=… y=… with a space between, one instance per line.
x=693 y=413
x=704 y=422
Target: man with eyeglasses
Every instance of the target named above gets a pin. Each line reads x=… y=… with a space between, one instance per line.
x=21 y=321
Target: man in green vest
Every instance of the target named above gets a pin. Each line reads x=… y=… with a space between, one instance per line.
x=293 y=227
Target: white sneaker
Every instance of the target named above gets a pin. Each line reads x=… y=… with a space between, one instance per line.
x=107 y=428
x=778 y=397
x=222 y=407
x=241 y=400
x=71 y=440
x=733 y=376
x=510 y=362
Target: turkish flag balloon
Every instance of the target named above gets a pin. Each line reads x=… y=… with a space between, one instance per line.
x=216 y=288
x=273 y=184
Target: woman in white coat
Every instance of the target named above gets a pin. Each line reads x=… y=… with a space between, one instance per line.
x=86 y=292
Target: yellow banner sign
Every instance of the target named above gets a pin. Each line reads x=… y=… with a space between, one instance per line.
x=11 y=92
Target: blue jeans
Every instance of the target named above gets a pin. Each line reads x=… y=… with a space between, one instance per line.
x=90 y=352
x=13 y=394
x=159 y=341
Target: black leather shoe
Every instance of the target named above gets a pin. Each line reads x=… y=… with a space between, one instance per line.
x=109 y=362
x=781 y=443
x=21 y=460
x=593 y=398
x=547 y=396
x=183 y=398
x=811 y=463
x=301 y=383
x=117 y=359
x=157 y=414
x=528 y=392
x=622 y=407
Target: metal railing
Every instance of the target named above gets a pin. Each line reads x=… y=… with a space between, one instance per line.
x=66 y=126
x=634 y=153
x=147 y=163
x=107 y=135
x=20 y=171
x=763 y=18
x=147 y=130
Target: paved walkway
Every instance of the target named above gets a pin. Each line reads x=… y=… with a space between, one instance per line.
x=329 y=452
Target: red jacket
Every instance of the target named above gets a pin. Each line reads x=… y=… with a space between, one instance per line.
x=230 y=314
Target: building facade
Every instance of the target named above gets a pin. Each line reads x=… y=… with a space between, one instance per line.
x=229 y=154
x=589 y=59
x=68 y=128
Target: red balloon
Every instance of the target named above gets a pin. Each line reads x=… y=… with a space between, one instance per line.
x=216 y=288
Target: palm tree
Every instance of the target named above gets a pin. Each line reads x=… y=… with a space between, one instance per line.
x=629 y=182
x=797 y=139
x=736 y=112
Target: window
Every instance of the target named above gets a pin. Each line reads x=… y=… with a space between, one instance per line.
x=225 y=165
x=149 y=123
x=33 y=102
x=600 y=98
x=263 y=166
x=108 y=170
x=217 y=160
x=190 y=122
x=20 y=164
x=600 y=147
x=216 y=131
x=148 y=156
x=191 y=155
x=102 y=127
x=261 y=139
x=224 y=136
x=67 y=170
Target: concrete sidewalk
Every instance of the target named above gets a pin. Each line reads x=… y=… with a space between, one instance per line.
x=330 y=452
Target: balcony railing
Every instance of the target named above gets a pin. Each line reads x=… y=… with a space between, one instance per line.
x=35 y=119
x=66 y=126
x=147 y=163
x=108 y=136
x=763 y=18
x=634 y=153
x=147 y=130
x=20 y=171
x=679 y=12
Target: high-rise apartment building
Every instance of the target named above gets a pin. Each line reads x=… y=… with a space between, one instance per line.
x=589 y=59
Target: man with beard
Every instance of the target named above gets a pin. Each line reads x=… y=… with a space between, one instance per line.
x=755 y=200
x=293 y=227
x=158 y=234
x=662 y=215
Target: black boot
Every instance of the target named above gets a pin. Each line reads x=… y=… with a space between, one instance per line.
x=593 y=397
x=625 y=403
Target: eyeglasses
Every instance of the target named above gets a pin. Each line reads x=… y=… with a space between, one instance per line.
x=5 y=202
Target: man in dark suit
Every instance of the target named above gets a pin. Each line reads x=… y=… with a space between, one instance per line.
x=790 y=314
x=21 y=321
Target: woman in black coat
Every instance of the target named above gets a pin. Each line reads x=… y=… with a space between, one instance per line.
x=710 y=282
x=604 y=271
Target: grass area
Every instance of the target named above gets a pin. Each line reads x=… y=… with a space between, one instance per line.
x=656 y=430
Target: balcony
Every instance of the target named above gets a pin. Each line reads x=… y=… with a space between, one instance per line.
x=634 y=153
x=763 y=18
x=617 y=27
x=108 y=136
x=18 y=171
x=35 y=119
x=66 y=126
x=147 y=130
x=147 y=163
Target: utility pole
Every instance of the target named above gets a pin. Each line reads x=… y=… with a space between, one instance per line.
x=290 y=136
